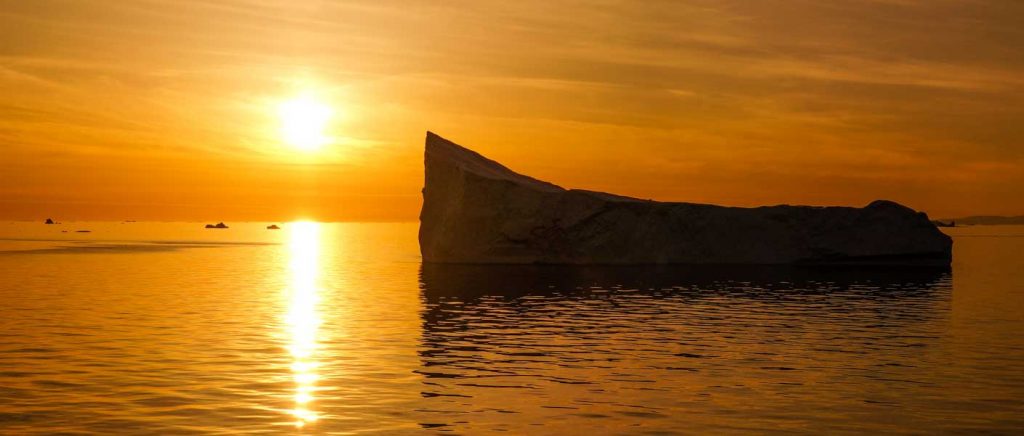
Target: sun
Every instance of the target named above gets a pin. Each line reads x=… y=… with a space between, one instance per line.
x=304 y=122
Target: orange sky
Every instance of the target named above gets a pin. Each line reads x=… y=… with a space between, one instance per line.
x=166 y=109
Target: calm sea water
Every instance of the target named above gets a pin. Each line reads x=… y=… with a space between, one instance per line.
x=169 y=328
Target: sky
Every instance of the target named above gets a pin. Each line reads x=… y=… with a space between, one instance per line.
x=170 y=109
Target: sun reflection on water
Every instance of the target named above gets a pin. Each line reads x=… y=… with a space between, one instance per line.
x=303 y=319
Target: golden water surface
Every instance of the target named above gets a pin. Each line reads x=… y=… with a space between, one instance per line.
x=169 y=328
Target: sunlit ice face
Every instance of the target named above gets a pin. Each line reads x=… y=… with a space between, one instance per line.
x=304 y=121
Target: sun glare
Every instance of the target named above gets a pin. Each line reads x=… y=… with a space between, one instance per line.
x=304 y=123
x=303 y=318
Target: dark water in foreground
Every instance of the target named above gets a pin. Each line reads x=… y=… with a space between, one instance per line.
x=338 y=328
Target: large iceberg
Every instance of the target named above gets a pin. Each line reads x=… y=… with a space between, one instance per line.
x=476 y=210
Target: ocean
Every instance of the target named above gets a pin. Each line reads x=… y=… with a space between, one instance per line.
x=338 y=328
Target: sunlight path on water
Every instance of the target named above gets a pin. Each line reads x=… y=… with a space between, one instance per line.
x=303 y=319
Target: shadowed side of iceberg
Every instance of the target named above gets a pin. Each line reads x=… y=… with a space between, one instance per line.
x=476 y=210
